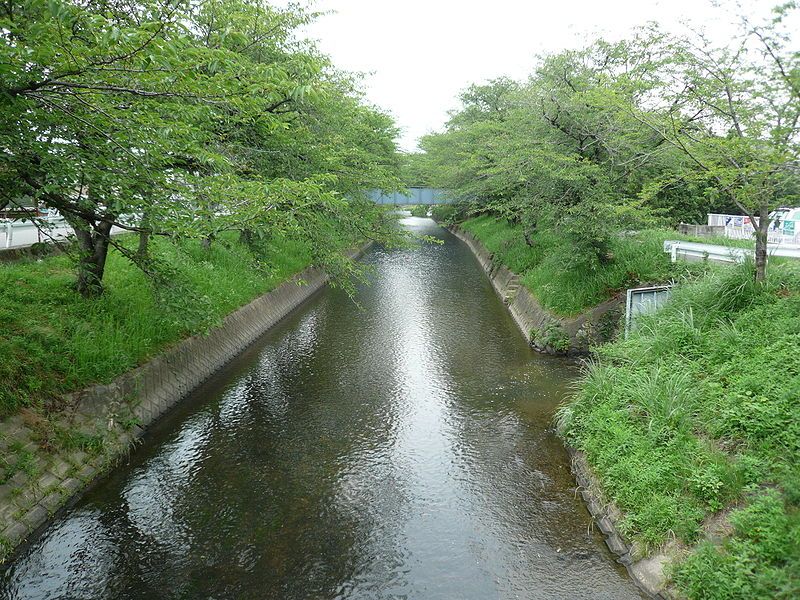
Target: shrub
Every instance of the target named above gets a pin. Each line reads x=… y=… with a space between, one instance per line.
x=697 y=411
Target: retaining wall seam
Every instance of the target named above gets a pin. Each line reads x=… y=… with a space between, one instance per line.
x=118 y=414
x=646 y=572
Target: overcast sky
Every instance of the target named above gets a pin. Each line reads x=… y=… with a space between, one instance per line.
x=418 y=54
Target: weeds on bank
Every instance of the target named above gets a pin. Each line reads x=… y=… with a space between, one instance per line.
x=638 y=258
x=54 y=341
x=16 y=460
x=698 y=410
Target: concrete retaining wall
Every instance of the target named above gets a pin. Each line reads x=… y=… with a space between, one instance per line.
x=530 y=316
x=545 y=331
x=104 y=422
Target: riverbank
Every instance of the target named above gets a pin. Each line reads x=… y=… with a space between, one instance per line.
x=381 y=448
x=531 y=317
x=543 y=329
x=55 y=342
x=685 y=435
x=565 y=308
x=60 y=432
x=567 y=290
x=691 y=426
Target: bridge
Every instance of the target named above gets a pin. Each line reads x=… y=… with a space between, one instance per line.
x=416 y=195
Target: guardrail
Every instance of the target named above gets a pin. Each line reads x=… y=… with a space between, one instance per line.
x=722 y=254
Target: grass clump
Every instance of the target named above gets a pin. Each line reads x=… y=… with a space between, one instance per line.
x=17 y=459
x=419 y=210
x=546 y=267
x=447 y=214
x=699 y=411
x=761 y=559
x=53 y=341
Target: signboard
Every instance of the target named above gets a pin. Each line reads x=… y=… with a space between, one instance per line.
x=643 y=301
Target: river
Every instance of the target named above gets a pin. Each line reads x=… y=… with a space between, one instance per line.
x=398 y=448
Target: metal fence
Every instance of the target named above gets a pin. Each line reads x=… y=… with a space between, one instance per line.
x=738 y=227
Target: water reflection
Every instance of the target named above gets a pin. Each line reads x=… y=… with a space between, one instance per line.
x=399 y=451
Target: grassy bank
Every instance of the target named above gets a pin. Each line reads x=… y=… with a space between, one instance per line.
x=693 y=426
x=54 y=341
x=446 y=214
x=637 y=258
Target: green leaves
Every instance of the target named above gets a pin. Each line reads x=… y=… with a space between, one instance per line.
x=205 y=117
x=613 y=135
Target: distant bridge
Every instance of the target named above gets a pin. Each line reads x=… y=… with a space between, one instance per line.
x=416 y=195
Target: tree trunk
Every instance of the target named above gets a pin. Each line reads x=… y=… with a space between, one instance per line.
x=144 y=237
x=527 y=233
x=144 y=240
x=93 y=240
x=246 y=237
x=761 y=243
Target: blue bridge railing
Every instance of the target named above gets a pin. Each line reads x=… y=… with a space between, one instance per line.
x=416 y=195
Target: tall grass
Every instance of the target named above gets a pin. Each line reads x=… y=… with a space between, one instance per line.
x=637 y=259
x=699 y=410
x=54 y=341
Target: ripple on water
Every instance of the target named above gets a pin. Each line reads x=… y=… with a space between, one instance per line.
x=400 y=449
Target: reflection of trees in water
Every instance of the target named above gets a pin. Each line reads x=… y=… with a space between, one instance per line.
x=374 y=453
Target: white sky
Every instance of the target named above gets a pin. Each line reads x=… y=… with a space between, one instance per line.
x=419 y=54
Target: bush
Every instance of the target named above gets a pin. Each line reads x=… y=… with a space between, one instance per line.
x=551 y=336
x=54 y=341
x=698 y=411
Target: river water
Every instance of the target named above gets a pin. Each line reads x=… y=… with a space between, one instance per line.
x=402 y=448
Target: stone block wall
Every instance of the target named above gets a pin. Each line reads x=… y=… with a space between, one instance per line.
x=541 y=328
x=103 y=423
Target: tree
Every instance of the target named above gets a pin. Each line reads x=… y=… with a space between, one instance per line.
x=734 y=112
x=614 y=136
x=553 y=152
x=181 y=119
x=416 y=170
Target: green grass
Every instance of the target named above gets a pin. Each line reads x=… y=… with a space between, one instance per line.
x=418 y=210
x=445 y=213
x=16 y=459
x=53 y=341
x=637 y=259
x=699 y=411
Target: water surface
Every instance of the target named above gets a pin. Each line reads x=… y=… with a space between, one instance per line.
x=400 y=449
